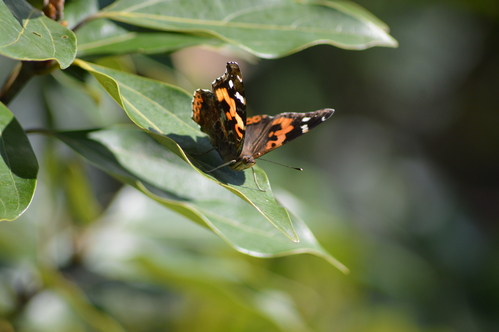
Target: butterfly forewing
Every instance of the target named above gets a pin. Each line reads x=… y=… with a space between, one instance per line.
x=229 y=94
x=265 y=133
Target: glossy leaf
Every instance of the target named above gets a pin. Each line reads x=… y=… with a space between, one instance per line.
x=76 y=11
x=135 y=158
x=105 y=37
x=27 y=34
x=18 y=167
x=266 y=28
x=165 y=112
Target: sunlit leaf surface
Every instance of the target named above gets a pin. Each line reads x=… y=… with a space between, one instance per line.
x=266 y=28
x=27 y=34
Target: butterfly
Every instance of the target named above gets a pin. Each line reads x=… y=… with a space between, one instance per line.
x=221 y=113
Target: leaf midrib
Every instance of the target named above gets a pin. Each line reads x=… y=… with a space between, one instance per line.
x=202 y=22
x=152 y=101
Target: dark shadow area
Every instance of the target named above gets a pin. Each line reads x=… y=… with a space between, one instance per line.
x=197 y=151
x=16 y=151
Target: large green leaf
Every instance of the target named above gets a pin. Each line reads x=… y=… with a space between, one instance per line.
x=134 y=157
x=18 y=167
x=105 y=37
x=27 y=34
x=165 y=112
x=266 y=28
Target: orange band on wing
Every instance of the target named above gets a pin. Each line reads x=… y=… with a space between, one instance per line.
x=254 y=119
x=223 y=95
x=286 y=127
x=197 y=103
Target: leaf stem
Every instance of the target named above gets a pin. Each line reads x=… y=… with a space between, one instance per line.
x=21 y=75
x=13 y=83
x=85 y=21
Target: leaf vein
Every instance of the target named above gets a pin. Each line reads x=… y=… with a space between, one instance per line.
x=242 y=25
x=24 y=26
x=107 y=41
x=237 y=224
x=51 y=38
x=154 y=103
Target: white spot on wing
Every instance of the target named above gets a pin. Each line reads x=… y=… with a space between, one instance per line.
x=240 y=97
x=304 y=128
x=323 y=119
x=306 y=119
x=231 y=84
x=239 y=78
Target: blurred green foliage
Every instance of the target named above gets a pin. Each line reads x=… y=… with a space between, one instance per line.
x=401 y=185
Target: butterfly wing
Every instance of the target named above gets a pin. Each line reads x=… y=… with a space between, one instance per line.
x=265 y=133
x=204 y=111
x=222 y=113
x=229 y=94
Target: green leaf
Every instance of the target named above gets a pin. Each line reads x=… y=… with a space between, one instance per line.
x=135 y=158
x=171 y=252
x=18 y=167
x=27 y=34
x=76 y=11
x=105 y=37
x=266 y=28
x=165 y=112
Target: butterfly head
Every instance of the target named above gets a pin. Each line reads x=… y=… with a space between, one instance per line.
x=242 y=163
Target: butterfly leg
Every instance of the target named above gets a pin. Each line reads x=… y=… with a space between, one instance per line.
x=256 y=182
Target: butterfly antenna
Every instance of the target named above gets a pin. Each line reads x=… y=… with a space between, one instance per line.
x=273 y=162
x=223 y=165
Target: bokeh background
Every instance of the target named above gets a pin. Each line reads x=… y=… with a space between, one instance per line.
x=401 y=185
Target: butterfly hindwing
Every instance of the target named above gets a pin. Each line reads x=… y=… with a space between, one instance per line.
x=204 y=110
x=205 y=113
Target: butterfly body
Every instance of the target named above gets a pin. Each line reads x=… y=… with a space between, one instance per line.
x=221 y=113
